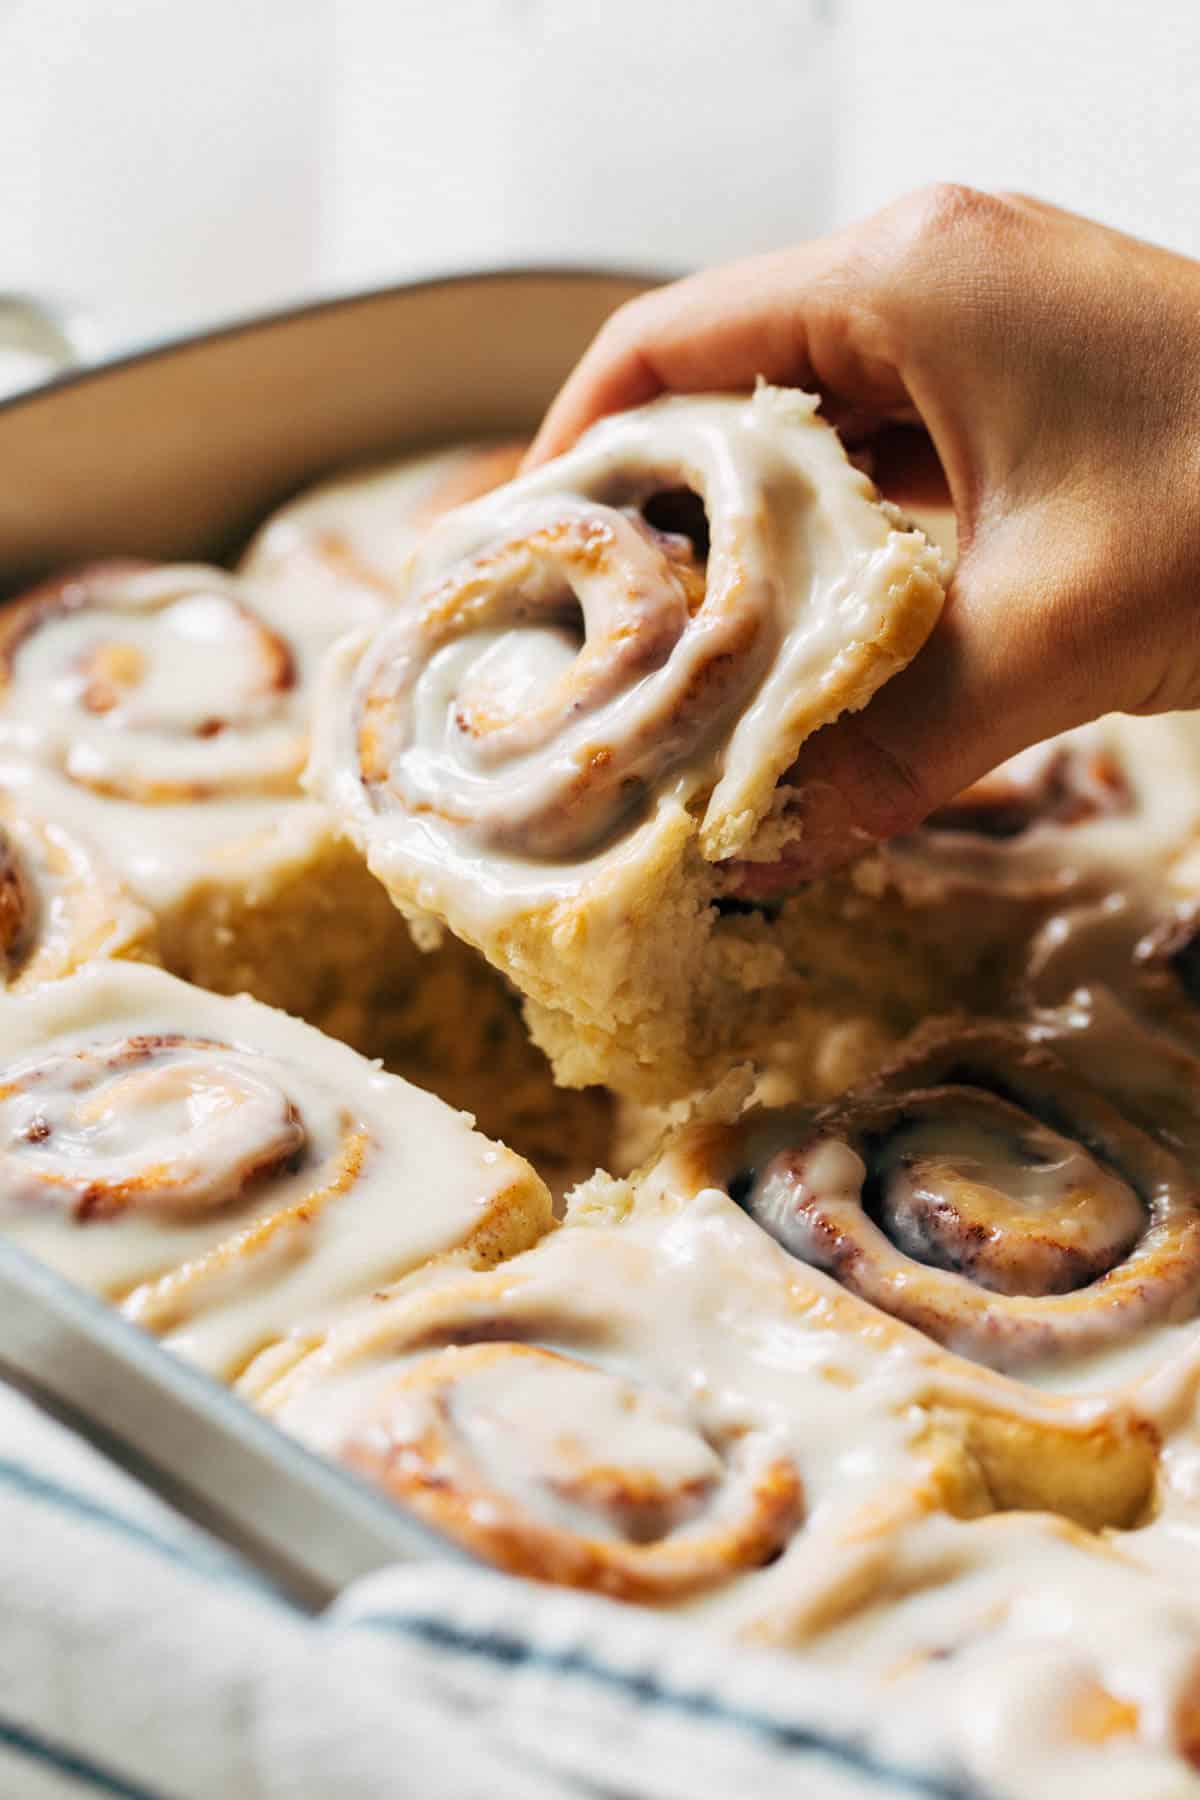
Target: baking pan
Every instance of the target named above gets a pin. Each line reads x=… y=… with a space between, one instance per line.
x=179 y=451
x=301 y=1520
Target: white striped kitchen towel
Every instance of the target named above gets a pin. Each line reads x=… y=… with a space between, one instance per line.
x=140 y=1660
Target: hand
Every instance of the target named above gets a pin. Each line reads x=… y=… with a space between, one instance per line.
x=1055 y=366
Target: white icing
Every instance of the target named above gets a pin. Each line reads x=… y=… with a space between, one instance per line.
x=335 y=552
x=393 y=1176
x=1133 y=842
x=803 y=571
x=66 y=906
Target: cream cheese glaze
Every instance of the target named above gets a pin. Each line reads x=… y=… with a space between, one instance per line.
x=337 y=549
x=595 y=1411
x=219 y=1169
x=590 y=684
x=60 y=905
x=1113 y=802
x=164 y=711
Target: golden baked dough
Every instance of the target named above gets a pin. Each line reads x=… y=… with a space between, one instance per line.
x=219 y=1169
x=575 y=720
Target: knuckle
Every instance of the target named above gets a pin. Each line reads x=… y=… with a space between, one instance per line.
x=951 y=210
x=632 y=322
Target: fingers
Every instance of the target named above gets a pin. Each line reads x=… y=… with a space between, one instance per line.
x=838 y=315
x=996 y=675
x=787 y=317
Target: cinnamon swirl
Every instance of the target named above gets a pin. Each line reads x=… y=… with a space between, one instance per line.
x=219 y=1169
x=656 y=1403
x=983 y=1192
x=563 y=1423
x=60 y=907
x=576 y=717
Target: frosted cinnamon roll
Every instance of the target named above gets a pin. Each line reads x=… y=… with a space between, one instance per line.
x=1100 y=817
x=340 y=546
x=553 y=1467
x=218 y=1168
x=987 y=1195
x=569 y=1418
x=578 y=713
x=152 y=685
x=1042 y=1659
x=161 y=715
x=656 y=1403
x=60 y=906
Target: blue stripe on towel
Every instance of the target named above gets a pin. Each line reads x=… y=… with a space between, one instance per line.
x=65 y=1761
x=36 y=1486
x=498 y=1647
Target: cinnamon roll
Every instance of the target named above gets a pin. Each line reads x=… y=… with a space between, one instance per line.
x=338 y=548
x=60 y=906
x=161 y=715
x=564 y=1421
x=573 y=724
x=655 y=1403
x=1043 y=1658
x=219 y=1169
x=1098 y=819
x=986 y=1194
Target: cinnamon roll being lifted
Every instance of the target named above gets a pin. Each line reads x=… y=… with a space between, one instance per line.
x=571 y=730
x=219 y=1169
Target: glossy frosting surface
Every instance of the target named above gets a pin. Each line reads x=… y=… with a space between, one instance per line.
x=221 y=1169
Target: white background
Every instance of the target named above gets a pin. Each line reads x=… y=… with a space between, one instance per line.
x=167 y=162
